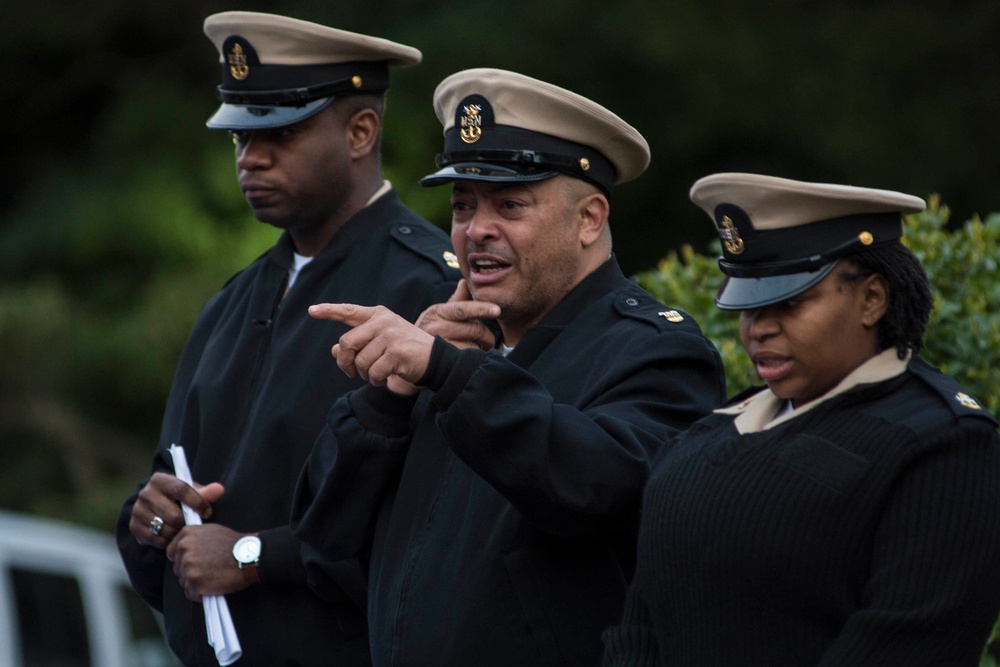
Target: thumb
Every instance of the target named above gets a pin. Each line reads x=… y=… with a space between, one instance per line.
x=211 y=492
x=461 y=292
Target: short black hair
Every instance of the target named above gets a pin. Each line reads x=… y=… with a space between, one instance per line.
x=351 y=104
x=348 y=105
x=910 y=298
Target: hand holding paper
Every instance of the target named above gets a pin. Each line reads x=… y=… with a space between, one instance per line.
x=218 y=622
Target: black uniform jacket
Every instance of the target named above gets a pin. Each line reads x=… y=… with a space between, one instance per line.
x=858 y=530
x=251 y=392
x=503 y=517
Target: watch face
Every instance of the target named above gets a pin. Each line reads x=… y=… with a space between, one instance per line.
x=247 y=549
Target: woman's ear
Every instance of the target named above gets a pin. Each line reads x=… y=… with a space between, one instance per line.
x=362 y=132
x=874 y=292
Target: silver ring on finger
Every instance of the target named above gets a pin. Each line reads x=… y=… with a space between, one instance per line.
x=156 y=525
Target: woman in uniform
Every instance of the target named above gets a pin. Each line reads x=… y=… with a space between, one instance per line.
x=848 y=513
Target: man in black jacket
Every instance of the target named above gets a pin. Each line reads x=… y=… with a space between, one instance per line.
x=304 y=104
x=495 y=489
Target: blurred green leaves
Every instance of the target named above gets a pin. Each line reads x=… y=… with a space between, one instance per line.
x=96 y=300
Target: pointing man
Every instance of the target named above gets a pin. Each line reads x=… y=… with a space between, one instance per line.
x=497 y=490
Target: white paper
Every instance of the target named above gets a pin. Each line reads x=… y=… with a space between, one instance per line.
x=218 y=622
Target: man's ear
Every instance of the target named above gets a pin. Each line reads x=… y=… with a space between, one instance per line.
x=362 y=132
x=874 y=292
x=592 y=212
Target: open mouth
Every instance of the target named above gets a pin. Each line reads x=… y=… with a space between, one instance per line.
x=771 y=368
x=488 y=266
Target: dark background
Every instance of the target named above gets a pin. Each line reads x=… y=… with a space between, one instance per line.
x=119 y=212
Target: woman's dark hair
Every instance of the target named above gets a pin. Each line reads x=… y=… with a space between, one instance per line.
x=910 y=299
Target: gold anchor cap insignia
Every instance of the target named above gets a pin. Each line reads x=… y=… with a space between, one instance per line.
x=472 y=123
x=967 y=401
x=671 y=316
x=731 y=236
x=238 y=63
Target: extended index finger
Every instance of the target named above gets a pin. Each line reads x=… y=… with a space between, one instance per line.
x=348 y=313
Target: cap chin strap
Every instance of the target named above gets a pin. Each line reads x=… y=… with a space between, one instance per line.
x=512 y=156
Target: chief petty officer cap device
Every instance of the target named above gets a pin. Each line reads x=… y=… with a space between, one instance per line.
x=780 y=237
x=501 y=126
x=278 y=70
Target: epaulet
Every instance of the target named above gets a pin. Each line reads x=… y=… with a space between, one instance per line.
x=635 y=303
x=958 y=400
x=426 y=243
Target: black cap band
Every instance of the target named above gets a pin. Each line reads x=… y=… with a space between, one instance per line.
x=799 y=265
x=294 y=85
x=547 y=153
x=759 y=253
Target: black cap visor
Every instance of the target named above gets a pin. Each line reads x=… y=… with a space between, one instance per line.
x=482 y=171
x=263 y=117
x=739 y=293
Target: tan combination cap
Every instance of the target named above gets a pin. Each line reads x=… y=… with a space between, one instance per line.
x=503 y=126
x=780 y=237
x=278 y=70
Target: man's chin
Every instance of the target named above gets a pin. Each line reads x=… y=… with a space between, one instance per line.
x=488 y=293
x=270 y=217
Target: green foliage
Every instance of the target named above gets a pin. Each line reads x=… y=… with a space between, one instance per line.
x=963 y=335
x=94 y=310
x=964 y=331
x=688 y=280
x=991 y=655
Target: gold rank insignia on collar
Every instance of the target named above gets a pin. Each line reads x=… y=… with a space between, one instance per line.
x=451 y=259
x=967 y=401
x=671 y=316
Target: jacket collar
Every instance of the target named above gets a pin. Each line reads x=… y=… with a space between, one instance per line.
x=602 y=280
x=374 y=214
x=757 y=413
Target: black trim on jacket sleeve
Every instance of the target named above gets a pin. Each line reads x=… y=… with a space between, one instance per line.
x=461 y=365
x=280 y=556
x=444 y=356
x=381 y=411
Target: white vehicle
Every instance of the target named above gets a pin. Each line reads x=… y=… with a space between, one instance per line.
x=65 y=600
